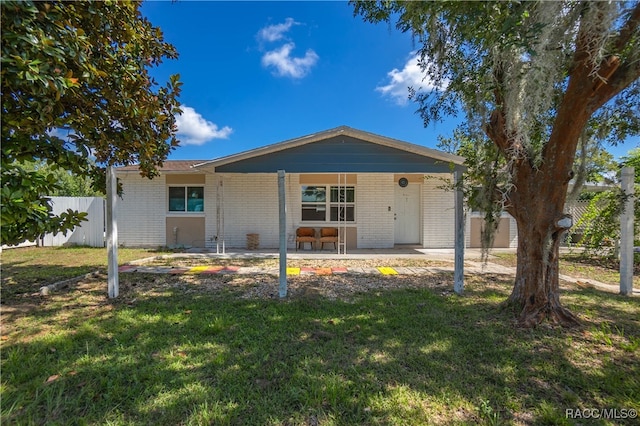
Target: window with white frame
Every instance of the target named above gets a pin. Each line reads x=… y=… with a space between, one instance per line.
x=186 y=199
x=339 y=201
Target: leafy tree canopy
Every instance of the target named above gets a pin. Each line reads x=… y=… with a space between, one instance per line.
x=68 y=184
x=77 y=95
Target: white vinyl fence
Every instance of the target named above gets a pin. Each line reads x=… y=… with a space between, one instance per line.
x=88 y=233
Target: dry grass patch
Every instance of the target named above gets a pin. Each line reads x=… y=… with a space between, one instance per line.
x=26 y=269
x=273 y=263
x=605 y=270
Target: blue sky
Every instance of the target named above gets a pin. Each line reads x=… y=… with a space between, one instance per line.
x=257 y=73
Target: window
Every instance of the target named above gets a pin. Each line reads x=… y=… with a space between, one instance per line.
x=314 y=203
x=340 y=204
x=343 y=203
x=186 y=199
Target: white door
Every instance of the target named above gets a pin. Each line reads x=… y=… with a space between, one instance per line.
x=407 y=214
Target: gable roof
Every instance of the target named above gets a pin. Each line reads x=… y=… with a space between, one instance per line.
x=342 y=149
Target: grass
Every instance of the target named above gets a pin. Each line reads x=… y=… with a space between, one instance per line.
x=169 y=351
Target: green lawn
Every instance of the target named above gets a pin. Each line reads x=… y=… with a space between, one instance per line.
x=193 y=350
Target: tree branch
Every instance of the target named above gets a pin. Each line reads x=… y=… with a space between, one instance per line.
x=628 y=29
x=616 y=74
x=621 y=77
x=496 y=130
x=586 y=92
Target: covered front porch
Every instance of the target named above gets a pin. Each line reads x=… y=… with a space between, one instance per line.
x=378 y=192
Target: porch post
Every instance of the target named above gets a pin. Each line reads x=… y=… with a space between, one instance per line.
x=458 y=274
x=626 y=234
x=282 y=289
x=112 y=233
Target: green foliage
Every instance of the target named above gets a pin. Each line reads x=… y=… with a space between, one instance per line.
x=632 y=159
x=599 y=163
x=483 y=182
x=486 y=412
x=470 y=50
x=600 y=224
x=593 y=163
x=69 y=185
x=81 y=67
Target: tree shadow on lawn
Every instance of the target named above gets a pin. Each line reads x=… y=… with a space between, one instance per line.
x=164 y=355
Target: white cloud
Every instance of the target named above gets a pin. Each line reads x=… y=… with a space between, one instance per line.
x=276 y=32
x=400 y=80
x=193 y=129
x=288 y=66
x=279 y=58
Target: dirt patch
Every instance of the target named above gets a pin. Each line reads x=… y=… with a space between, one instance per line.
x=333 y=287
x=179 y=261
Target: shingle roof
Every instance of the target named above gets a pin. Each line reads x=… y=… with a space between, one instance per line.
x=167 y=166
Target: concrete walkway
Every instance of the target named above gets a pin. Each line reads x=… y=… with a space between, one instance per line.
x=473 y=264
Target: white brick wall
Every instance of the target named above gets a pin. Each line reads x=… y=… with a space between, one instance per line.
x=374 y=193
x=250 y=206
x=141 y=211
x=438 y=213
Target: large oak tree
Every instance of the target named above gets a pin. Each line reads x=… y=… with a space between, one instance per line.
x=531 y=75
x=77 y=95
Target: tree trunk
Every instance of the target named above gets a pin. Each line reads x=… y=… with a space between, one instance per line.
x=535 y=293
x=537 y=204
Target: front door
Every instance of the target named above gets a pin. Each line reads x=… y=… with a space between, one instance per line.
x=407 y=214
